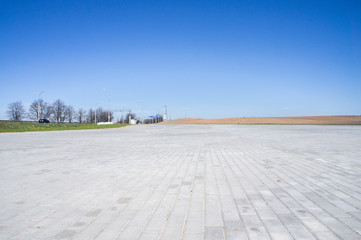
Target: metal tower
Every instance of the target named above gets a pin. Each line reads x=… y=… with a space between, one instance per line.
x=165 y=117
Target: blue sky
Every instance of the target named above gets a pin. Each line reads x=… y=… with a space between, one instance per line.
x=207 y=59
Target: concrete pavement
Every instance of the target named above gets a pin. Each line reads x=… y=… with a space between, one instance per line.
x=182 y=182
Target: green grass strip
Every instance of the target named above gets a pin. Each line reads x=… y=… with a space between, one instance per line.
x=8 y=126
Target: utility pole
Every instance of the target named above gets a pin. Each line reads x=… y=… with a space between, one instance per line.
x=95 y=114
x=108 y=103
x=39 y=105
x=108 y=109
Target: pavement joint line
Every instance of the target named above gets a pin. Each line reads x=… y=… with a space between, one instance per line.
x=196 y=154
x=104 y=212
x=112 y=205
x=218 y=194
x=117 y=236
x=239 y=214
x=286 y=192
x=247 y=196
x=276 y=197
x=174 y=201
x=311 y=201
x=158 y=204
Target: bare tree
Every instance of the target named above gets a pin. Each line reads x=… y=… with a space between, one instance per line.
x=102 y=115
x=16 y=111
x=48 y=111
x=90 y=116
x=81 y=115
x=69 y=113
x=59 y=110
x=33 y=109
x=41 y=108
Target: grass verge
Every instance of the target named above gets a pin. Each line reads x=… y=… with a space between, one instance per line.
x=9 y=126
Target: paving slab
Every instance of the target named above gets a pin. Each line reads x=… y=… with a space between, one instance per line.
x=182 y=182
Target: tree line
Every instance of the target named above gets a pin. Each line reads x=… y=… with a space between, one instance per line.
x=60 y=112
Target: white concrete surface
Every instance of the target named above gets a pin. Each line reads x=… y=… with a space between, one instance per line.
x=182 y=182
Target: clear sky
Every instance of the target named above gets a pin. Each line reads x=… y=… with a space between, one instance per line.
x=207 y=59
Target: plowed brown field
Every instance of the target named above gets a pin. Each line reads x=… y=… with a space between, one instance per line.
x=272 y=120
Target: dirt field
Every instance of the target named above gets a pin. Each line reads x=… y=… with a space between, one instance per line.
x=272 y=120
